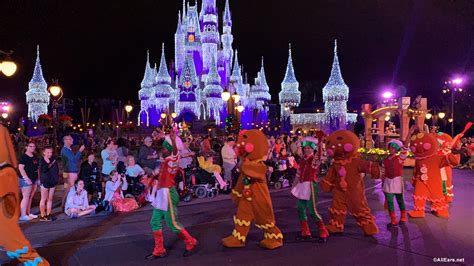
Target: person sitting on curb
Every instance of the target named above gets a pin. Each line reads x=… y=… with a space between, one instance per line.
x=77 y=204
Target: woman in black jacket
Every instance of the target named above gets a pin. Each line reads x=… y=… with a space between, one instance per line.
x=49 y=177
x=90 y=174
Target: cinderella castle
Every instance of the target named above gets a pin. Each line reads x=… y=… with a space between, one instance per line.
x=205 y=65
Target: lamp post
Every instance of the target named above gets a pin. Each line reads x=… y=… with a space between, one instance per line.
x=454 y=85
x=7 y=66
x=128 y=109
x=5 y=110
x=56 y=94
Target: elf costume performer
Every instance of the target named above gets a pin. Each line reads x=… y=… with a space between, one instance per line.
x=306 y=190
x=427 y=175
x=345 y=181
x=444 y=141
x=166 y=201
x=251 y=194
x=393 y=180
x=11 y=236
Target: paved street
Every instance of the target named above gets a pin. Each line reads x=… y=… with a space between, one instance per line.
x=125 y=239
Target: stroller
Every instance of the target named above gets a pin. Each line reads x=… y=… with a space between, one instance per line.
x=282 y=175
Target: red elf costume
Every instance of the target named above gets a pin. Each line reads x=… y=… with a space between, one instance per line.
x=306 y=190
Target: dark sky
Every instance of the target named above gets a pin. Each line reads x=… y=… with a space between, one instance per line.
x=97 y=48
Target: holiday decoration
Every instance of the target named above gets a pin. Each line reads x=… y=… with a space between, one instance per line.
x=37 y=96
x=232 y=124
x=65 y=120
x=45 y=120
x=289 y=95
x=335 y=97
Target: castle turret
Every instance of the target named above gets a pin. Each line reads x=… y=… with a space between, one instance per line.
x=37 y=96
x=227 y=37
x=212 y=93
x=210 y=33
x=290 y=96
x=163 y=90
x=336 y=95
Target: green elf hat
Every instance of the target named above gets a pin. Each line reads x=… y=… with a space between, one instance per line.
x=167 y=143
x=309 y=142
x=396 y=144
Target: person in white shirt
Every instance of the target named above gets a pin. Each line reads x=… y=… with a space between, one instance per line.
x=133 y=169
x=186 y=156
x=229 y=158
x=77 y=204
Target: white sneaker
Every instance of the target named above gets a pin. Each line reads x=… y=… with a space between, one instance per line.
x=32 y=216
x=25 y=218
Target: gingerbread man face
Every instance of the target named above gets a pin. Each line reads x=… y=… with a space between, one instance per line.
x=252 y=145
x=423 y=144
x=342 y=144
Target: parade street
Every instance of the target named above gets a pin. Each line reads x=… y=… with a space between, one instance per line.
x=125 y=239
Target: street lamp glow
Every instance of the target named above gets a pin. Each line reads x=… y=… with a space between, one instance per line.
x=128 y=108
x=450 y=120
x=174 y=115
x=163 y=115
x=387 y=118
x=225 y=96
x=441 y=115
x=8 y=68
x=236 y=97
x=457 y=81
x=428 y=116
x=4 y=115
x=387 y=95
x=240 y=108
x=55 y=90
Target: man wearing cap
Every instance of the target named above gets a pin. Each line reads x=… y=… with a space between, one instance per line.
x=147 y=156
x=307 y=188
x=393 y=180
x=166 y=201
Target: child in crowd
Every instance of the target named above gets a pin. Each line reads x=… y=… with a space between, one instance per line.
x=114 y=194
x=77 y=204
x=133 y=169
x=49 y=177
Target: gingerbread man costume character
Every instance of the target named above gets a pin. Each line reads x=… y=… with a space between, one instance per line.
x=251 y=194
x=427 y=175
x=345 y=181
x=11 y=236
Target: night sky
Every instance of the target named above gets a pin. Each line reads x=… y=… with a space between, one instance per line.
x=98 y=48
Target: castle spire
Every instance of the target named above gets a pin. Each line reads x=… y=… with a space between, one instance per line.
x=148 y=77
x=290 y=72
x=178 y=28
x=38 y=78
x=263 y=79
x=335 y=85
x=213 y=76
x=227 y=15
x=336 y=76
x=236 y=72
x=163 y=74
x=37 y=96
